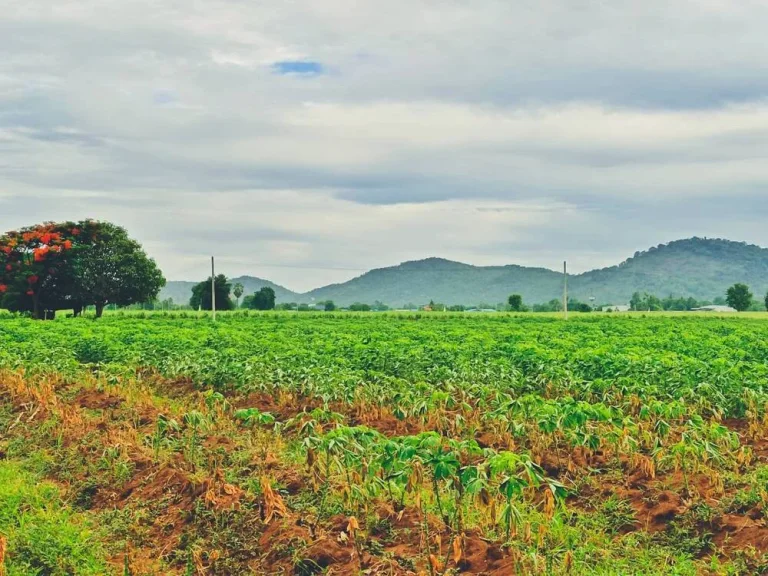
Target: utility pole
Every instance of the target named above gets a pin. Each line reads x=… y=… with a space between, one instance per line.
x=565 y=289
x=213 y=289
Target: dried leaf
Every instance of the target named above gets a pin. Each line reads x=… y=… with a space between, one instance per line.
x=210 y=497
x=457 y=549
x=549 y=503
x=3 y=547
x=352 y=526
x=273 y=503
x=568 y=562
x=435 y=563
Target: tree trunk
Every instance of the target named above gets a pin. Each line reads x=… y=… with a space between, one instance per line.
x=36 y=312
x=77 y=309
x=99 y=309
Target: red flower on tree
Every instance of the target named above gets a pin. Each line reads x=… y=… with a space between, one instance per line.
x=33 y=279
x=3 y=288
x=30 y=292
x=40 y=253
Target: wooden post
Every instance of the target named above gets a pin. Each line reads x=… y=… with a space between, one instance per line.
x=213 y=289
x=565 y=289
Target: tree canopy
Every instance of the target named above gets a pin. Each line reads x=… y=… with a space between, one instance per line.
x=238 y=291
x=264 y=299
x=201 y=294
x=739 y=297
x=515 y=302
x=69 y=265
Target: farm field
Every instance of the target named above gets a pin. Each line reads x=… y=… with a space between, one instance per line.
x=421 y=444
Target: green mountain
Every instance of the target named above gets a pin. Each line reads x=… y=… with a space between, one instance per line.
x=698 y=267
x=181 y=291
x=444 y=281
x=702 y=268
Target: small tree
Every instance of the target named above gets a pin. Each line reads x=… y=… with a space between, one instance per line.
x=766 y=300
x=330 y=306
x=238 y=291
x=201 y=294
x=264 y=299
x=515 y=302
x=739 y=297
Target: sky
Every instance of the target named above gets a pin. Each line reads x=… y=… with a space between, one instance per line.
x=307 y=141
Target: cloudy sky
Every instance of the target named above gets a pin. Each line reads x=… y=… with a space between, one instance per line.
x=305 y=141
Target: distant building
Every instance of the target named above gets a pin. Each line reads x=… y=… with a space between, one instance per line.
x=714 y=308
x=616 y=308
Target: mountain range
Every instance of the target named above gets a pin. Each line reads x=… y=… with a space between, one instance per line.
x=700 y=267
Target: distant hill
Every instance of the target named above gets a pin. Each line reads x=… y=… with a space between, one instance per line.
x=444 y=281
x=181 y=291
x=698 y=267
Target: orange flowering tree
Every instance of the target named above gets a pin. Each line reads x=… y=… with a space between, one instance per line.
x=33 y=263
x=68 y=265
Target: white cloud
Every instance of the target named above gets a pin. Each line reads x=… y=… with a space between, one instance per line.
x=497 y=132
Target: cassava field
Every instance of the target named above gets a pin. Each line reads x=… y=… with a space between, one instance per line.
x=433 y=444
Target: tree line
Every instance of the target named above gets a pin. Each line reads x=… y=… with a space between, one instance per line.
x=72 y=265
x=739 y=297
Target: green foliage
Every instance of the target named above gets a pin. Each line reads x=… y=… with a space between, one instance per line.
x=181 y=291
x=514 y=412
x=553 y=305
x=201 y=294
x=646 y=302
x=515 y=302
x=114 y=269
x=739 y=297
x=264 y=299
x=44 y=535
x=618 y=514
x=237 y=292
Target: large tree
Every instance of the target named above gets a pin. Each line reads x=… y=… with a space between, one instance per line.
x=739 y=297
x=68 y=265
x=32 y=267
x=201 y=294
x=114 y=269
